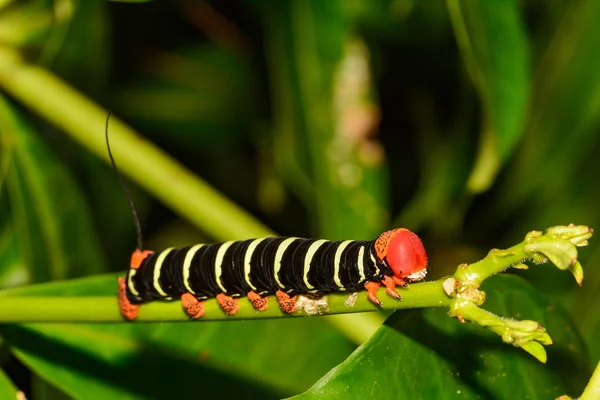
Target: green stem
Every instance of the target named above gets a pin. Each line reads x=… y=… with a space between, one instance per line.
x=592 y=390
x=529 y=335
x=15 y=309
x=151 y=168
x=557 y=244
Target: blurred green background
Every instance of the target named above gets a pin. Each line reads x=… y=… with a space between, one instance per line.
x=469 y=122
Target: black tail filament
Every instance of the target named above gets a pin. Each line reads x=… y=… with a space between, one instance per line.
x=136 y=219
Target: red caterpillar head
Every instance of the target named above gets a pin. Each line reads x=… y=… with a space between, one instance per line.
x=404 y=253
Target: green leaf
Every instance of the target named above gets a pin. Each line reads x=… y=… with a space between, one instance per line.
x=7 y=387
x=553 y=178
x=97 y=285
x=78 y=47
x=206 y=113
x=436 y=204
x=592 y=332
x=592 y=390
x=560 y=133
x=50 y=215
x=536 y=350
x=12 y=270
x=25 y=25
x=254 y=356
x=42 y=390
x=428 y=355
x=495 y=50
x=325 y=117
x=586 y=303
x=262 y=359
x=24 y=225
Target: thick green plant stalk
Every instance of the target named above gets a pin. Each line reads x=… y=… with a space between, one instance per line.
x=105 y=309
x=592 y=389
x=460 y=293
x=163 y=176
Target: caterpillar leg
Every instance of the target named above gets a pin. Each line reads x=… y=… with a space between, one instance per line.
x=258 y=302
x=372 y=288
x=192 y=306
x=128 y=311
x=228 y=303
x=390 y=287
x=286 y=302
x=400 y=281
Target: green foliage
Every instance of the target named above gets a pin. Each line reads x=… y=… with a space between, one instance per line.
x=494 y=48
x=457 y=360
x=40 y=188
x=470 y=122
x=114 y=360
x=7 y=388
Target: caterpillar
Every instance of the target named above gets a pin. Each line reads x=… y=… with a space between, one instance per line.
x=259 y=268
x=281 y=266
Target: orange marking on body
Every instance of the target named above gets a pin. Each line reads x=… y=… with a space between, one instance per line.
x=228 y=304
x=372 y=288
x=128 y=311
x=138 y=257
x=382 y=242
x=258 y=302
x=192 y=306
x=390 y=287
x=286 y=302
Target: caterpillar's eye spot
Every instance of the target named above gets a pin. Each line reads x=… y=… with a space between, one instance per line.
x=404 y=253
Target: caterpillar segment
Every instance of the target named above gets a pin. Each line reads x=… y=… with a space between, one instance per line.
x=260 y=268
x=128 y=308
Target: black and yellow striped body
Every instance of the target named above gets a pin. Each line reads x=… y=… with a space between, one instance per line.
x=264 y=266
